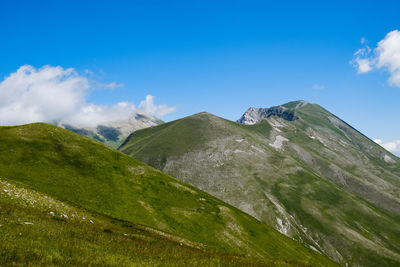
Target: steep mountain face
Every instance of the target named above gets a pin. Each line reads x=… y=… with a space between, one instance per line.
x=296 y=167
x=114 y=133
x=55 y=166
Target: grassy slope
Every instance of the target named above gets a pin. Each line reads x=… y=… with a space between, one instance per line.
x=204 y=151
x=33 y=232
x=86 y=174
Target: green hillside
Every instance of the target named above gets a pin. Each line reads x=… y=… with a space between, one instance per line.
x=315 y=178
x=87 y=176
x=36 y=229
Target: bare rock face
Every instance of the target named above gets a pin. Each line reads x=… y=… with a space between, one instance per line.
x=254 y=115
x=251 y=116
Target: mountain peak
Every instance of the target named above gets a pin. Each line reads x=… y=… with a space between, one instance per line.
x=203 y=113
x=295 y=104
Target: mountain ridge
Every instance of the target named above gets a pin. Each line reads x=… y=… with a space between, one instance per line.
x=82 y=172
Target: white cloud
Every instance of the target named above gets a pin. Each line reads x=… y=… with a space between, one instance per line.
x=113 y=85
x=388 y=56
x=385 y=56
x=364 y=65
x=159 y=111
x=378 y=141
x=92 y=114
x=53 y=93
x=47 y=94
x=318 y=87
x=393 y=146
x=363 y=40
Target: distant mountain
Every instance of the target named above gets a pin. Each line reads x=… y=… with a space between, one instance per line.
x=296 y=167
x=114 y=133
x=69 y=200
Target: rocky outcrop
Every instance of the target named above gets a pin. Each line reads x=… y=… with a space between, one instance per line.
x=254 y=115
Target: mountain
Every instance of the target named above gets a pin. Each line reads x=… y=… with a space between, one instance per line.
x=67 y=196
x=296 y=167
x=114 y=133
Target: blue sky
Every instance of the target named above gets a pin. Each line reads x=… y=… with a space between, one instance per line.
x=215 y=56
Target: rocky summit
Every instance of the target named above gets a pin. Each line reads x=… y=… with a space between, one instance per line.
x=254 y=115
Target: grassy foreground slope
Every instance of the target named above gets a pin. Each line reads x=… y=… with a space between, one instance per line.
x=314 y=179
x=88 y=175
x=36 y=229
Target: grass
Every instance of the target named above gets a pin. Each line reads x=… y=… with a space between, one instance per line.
x=83 y=173
x=33 y=232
